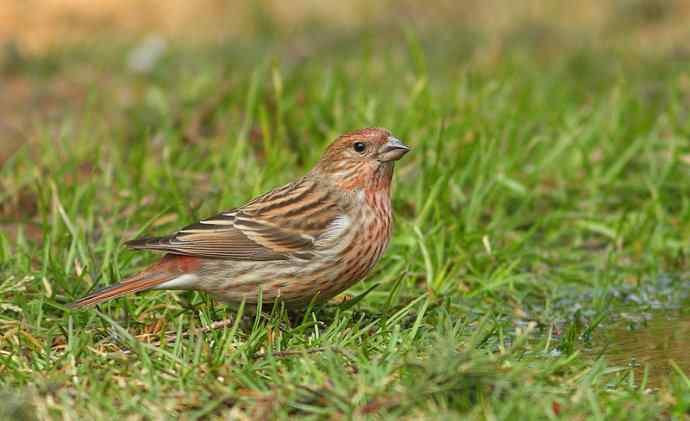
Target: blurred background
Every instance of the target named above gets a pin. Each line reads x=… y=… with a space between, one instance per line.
x=39 y=25
x=52 y=52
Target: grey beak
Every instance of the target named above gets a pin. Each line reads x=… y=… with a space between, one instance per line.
x=392 y=150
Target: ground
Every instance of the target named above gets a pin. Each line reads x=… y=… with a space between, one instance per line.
x=545 y=204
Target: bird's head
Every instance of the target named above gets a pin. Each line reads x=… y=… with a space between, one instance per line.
x=362 y=159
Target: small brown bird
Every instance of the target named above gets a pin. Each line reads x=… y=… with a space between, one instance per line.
x=308 y=240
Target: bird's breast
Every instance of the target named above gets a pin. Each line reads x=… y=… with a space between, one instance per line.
x=371 y=229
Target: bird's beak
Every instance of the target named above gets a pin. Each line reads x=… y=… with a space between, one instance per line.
x=392 y=150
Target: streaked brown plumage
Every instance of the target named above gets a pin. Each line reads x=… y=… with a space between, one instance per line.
x=310 y=239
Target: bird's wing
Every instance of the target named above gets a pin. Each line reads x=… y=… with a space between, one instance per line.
x=284 y=222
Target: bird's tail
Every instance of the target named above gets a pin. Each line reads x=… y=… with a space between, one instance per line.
x=168 y=268
x=137 y=283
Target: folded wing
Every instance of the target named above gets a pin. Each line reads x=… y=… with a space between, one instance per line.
x=285 y=222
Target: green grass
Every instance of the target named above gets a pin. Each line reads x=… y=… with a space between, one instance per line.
x=540 y=193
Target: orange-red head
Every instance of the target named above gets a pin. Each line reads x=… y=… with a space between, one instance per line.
x=362 y=159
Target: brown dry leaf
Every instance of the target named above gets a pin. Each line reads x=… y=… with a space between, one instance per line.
x=30 y=231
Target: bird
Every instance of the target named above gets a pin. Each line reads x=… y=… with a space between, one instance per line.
x=304 y=242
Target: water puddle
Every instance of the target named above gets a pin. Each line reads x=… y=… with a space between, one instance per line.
x=649 y=340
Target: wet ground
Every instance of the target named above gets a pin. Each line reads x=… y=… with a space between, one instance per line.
x=646 y=331
x=657 y=343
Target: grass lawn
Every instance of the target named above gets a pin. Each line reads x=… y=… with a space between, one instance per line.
x=546 y=200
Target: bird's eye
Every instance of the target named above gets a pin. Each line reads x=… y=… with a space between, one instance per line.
x=359 y=147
